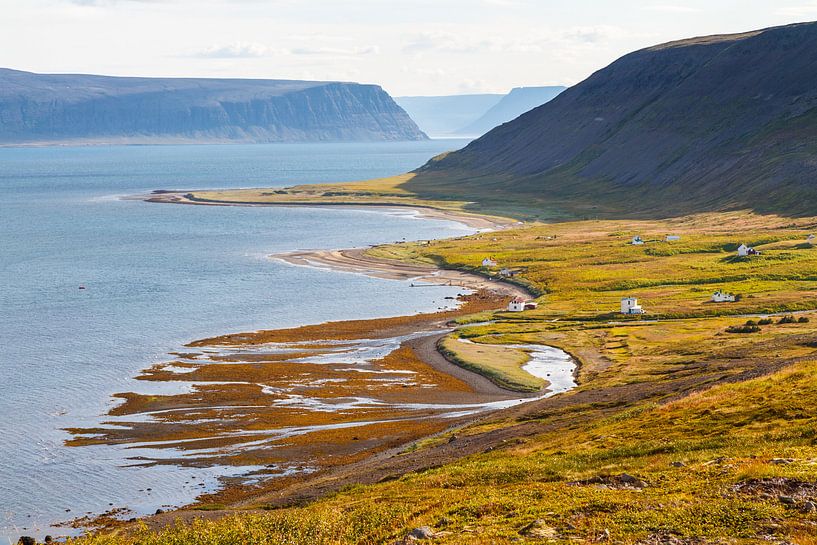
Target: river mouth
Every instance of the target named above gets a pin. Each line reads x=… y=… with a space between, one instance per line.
x=282 y=405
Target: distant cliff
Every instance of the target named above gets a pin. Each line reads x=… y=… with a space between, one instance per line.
x=446 y=115
x=713 y=123
x=511 y=106
x=58 y=108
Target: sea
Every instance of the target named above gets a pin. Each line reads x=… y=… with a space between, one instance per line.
x=156 y=276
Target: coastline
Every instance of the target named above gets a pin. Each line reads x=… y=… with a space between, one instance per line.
x=476 y=389
x=356 y=260
x=481 y=222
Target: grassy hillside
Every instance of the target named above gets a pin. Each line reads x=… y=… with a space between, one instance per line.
x=704 y=469
x=717 y=123
x=680 y=431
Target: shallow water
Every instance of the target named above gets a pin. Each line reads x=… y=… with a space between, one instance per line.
x=156 y=277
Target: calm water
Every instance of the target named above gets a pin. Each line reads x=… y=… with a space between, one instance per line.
x=158 y=276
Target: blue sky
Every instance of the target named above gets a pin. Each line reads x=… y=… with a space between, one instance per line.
x=410 y=47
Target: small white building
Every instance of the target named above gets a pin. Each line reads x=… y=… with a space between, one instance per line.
x=811 y=239
x=488 y=262
x=507 y=273
x=744 y=250
x=722 y=297
x=517 y=304
x=670 y=238
x=637 y=241
x=629 y=305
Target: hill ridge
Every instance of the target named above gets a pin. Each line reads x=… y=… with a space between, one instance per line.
x=706 y=124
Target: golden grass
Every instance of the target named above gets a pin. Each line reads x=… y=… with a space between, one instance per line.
x=501 y=364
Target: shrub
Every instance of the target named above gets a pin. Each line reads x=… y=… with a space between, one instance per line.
x=765 y=321
x=803 y=320
x=787 y=319
x=742 y=329
x=751 y=322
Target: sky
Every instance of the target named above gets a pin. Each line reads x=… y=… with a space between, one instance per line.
x=410 y=47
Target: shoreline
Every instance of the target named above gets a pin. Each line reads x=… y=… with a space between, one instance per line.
x=481 y=222
x=479 y=389
x=355 y=260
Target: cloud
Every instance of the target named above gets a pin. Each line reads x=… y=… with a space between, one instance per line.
x=335 y=51
x=112 y=2
x=536 y=43
x=237 y=50
x=253 y=50
x=806 y=11
x=672 y=8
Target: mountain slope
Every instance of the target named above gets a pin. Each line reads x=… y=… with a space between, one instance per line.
x=444 y=115
x=512 y=105
x=36 y=107
x=720 y=122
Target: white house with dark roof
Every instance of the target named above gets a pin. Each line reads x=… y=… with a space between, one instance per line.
x=629 y=305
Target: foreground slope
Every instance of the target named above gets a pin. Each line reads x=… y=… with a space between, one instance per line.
x=52 y=108
x=721 y=122
x=681 y=431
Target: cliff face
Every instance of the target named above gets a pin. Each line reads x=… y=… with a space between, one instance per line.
x=37 y=107
x=721 y=122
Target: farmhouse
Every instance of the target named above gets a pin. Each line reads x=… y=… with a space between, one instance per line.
x=744 y=250
x=637 y=240
x=518 y=304
x=670 y=238
x=810 y=239
x=489 y=262
x=629 y=305
x=722 y=297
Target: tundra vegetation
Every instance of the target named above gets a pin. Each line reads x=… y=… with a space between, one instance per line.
x=679 y=432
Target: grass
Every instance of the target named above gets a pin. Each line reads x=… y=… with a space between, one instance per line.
x=709 y=443
x=700 y=415
x=381 y=191
x=501 y=364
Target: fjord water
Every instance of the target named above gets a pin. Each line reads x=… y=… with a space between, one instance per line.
x=157 y=276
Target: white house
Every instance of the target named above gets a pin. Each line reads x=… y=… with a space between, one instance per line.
x=810 y=239
x=722 y=297
x=488 y=262
x=507 y=273
x=629 y=305
x=637 y=240
x=743 y=250
x=517 y=304
x=670 y=238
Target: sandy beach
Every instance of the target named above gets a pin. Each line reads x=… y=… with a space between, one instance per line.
x=357 y=261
